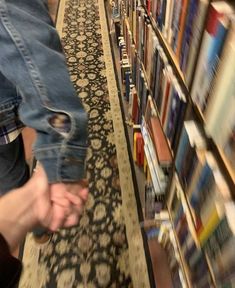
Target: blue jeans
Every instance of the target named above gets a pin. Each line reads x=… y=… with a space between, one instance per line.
x=37 y=84
x=14 y=172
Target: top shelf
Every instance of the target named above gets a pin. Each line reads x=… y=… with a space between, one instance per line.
x=168 y=50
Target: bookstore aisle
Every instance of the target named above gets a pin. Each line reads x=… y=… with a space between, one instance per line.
x=106 y=249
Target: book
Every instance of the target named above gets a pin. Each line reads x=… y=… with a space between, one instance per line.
x=167 y=76
x=212 y=44
x=181 y=27
x=149 y=53
x=224 y=261
x=134 y=108
x=220 y=245
x=167 y=20
x=140 y=149
x=220 y=125
x=196 y=35
x=187 y=34
x=211 y=222
x=198 y=166
x=167 y=104
x=173 y=123
x=160 y=143
x=203 y=187
x=175 y=24
x=216 y=197
x=158 y=177
x=191 y=138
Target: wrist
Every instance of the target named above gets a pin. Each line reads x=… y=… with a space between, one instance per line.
x=17 y=217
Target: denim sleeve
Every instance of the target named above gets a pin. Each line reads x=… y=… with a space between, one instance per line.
x=31 y=58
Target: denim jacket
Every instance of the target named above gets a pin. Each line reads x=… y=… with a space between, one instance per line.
x=37 y=84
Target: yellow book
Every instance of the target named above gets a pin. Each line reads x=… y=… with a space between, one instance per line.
x=134 y=148
x=214 y=219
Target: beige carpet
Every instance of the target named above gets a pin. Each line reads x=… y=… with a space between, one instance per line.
x=106 y=248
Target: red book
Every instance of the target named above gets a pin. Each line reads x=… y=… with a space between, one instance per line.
x=134 y=107
x=212 y=22
x=160 y=142
x=139 y=149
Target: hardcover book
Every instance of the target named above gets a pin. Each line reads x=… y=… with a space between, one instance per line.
x=212 y=44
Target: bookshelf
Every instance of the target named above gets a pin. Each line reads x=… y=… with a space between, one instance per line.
x=168 y=49
x=139 y=28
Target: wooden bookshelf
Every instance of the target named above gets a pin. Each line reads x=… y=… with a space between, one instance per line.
x=171 y=56
x=184 y=265
x=222 y=160
x=192 y=112
x=193 y=230
x=162 y=277
x=220 y=156
x=168 y=50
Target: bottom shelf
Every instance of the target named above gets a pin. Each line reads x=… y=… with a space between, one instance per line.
x=161 y=272
x=162 y=253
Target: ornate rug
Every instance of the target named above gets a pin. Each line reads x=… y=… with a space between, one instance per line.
x=106 y=248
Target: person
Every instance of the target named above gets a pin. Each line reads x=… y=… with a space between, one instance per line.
x=36 y=91
x=21 y=210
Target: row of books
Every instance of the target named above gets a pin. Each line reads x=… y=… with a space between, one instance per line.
x=181 y=24
x=158 y=80
x=209 y=199
x=213 y=81
x=194 y=259
x=213 y=87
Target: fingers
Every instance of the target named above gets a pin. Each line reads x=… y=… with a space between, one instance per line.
x=67 y=200
x=72 y=220
x=83 y=194
x=58 y=217
x=74 y=200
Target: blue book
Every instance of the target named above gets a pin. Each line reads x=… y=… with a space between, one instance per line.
x=207 y=64
x=184 y=143
x=173 y=115
x=175 y=24
x=203 y=185
x=180 y=119
x=127 y=84
x=192 y=11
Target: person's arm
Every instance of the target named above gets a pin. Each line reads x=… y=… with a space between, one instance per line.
x=10 y=267
x=20 y=210
x=32 y=59
x=23 y=208
x=36 y=203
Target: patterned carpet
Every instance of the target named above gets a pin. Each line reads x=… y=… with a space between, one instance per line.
x=96 y=252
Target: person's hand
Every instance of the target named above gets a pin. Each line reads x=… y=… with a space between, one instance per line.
x=76 y=194
x=40 y=189
x=59 y=204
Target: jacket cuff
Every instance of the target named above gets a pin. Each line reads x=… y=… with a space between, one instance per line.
x=63 y=164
